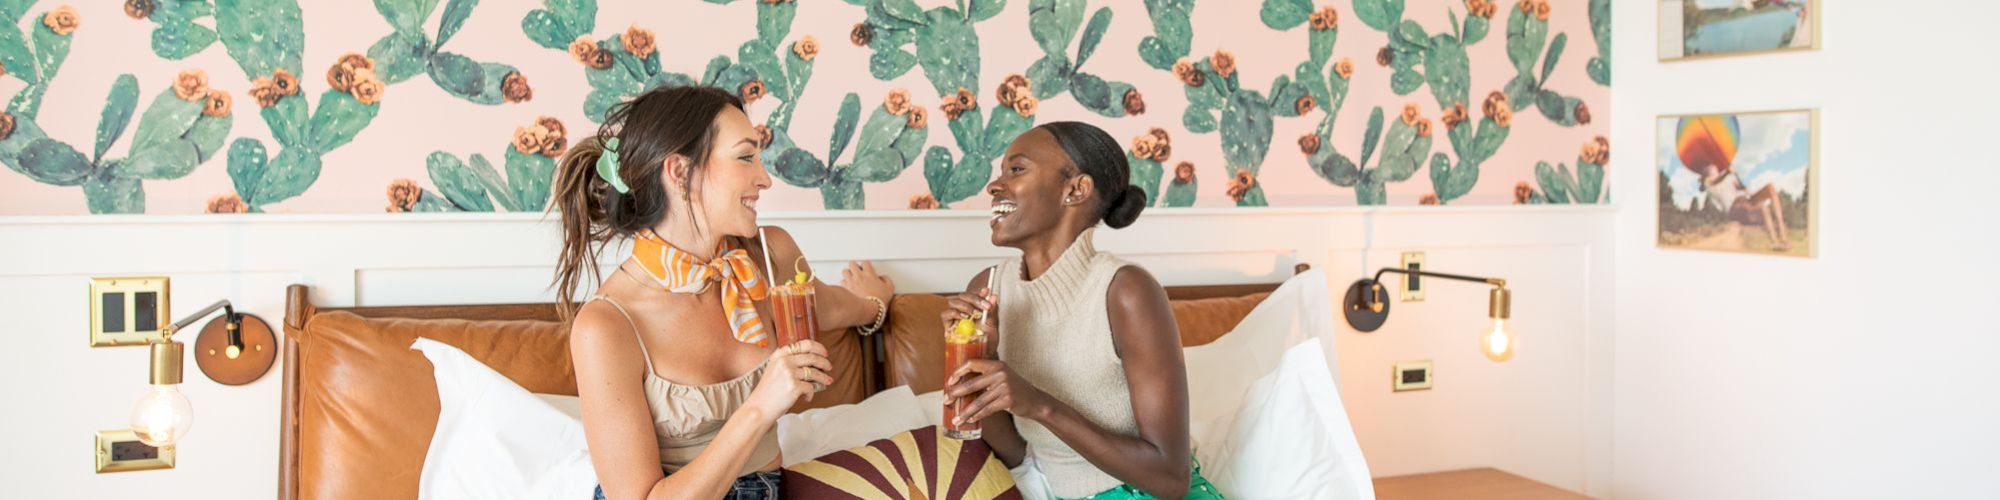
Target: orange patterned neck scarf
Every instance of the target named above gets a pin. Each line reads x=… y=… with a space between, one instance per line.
x=680 y=272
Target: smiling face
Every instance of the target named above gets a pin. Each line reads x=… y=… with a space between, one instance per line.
x=726 y=189
x=1035 y=176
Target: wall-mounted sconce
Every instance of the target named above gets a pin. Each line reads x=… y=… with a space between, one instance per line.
x=233 y=349
x=1367 y=307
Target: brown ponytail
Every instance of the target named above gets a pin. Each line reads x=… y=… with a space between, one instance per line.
x=578 y=197
x=663 y=122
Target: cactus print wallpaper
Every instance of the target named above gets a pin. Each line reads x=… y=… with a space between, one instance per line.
x=286 y=106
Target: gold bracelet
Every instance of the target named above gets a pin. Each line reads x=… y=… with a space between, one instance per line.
x=881 y=315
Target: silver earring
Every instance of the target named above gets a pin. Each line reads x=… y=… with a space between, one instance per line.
x=1068 y=200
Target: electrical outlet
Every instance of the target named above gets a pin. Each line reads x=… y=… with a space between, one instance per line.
x=1412 y=289
x=1411 y=376
x=127 y=311
x=121 y=451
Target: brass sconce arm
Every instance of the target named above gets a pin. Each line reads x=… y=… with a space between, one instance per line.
x=229 y=312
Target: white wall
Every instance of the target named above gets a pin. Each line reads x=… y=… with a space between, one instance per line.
x=1545 y=414
x=1868 y=372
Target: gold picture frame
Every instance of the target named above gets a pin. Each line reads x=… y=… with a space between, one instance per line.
x=138 y=322
x=1671 y=23
x=108 y=447
x=1673 y=236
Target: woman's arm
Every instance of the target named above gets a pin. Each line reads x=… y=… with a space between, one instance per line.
x=838 y=306
x=1148 y=343
x=618 y=425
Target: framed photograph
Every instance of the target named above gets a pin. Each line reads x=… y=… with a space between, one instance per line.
x=1691 y=29
x=1739 y=182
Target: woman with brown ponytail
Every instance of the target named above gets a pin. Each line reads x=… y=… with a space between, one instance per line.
x=677 y=171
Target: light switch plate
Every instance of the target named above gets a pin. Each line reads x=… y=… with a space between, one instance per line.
x=121 y=451
x=127 y=311
x=1411 y=288
x=1411 y=376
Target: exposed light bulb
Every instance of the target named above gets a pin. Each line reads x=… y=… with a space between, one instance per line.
x=1497 y=343
x=163 y=416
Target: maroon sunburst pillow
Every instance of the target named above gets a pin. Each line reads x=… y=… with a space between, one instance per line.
x=915 y=465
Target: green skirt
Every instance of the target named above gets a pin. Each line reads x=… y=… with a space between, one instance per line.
x=1198 y=489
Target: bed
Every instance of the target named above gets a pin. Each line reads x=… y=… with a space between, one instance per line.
x=359 y=406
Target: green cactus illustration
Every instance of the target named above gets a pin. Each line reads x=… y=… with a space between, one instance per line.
x=178 y=34
x=1440 y=61
x=1449 y=74
x=1173 y=33
x=1217 y=101
x=1559 y=187
x=478 y=187
x=1586 y=187
x=1179 y=194
x=176 y=31
x=765 y=65
x=889 y=144
x=34 y=64
x=407 y=51
x=622 y=74
x=266 y=38
x=1053 y=24
x=1415 y=57
x=1473 y=147
x=1146 y=157
x=947 y=48
x=1527 y=36
x=1403 y=149
x=174 y=136
x=1146 y=174
x=1599 y=67
x=1327 y=87
x=1245 y=115
x=1408 y=43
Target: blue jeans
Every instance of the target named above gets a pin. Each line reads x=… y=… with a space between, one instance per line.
x=752 y=486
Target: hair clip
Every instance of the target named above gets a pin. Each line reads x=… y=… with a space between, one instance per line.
x=607 y=166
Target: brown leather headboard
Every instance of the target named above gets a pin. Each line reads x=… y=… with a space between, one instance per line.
x=359 y=405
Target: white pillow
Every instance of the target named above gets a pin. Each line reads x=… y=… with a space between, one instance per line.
x=1266 y=415
x=568 y=405
x=495 y=440
x=817 y=432
x=932 y=403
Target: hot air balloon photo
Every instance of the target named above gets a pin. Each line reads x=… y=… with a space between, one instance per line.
x=1738 y=182
x=1710 y=28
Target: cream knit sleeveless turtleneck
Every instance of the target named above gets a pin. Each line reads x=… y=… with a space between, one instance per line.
x=1056 y=333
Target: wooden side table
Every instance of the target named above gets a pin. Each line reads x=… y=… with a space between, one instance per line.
x=1469 y=483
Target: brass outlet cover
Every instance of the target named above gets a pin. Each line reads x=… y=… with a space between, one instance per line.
x=121 y=451
x=128 y=310
x=1411 y=376
x=1403 y=283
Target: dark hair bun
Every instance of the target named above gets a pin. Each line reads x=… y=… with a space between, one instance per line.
x=1126 y=208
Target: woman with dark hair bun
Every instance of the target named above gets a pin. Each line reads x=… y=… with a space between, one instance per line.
x=1090 y=389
